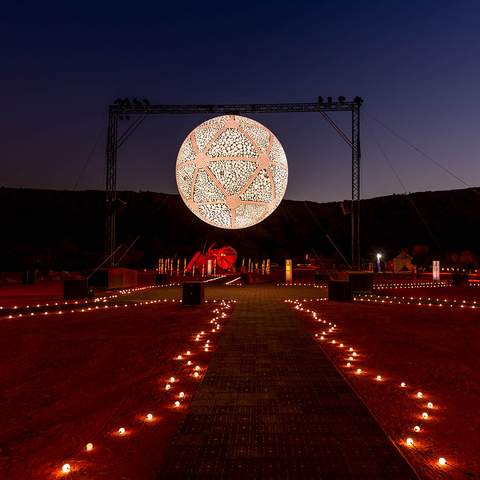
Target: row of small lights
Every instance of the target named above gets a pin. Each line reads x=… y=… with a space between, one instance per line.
x=184 y=361
x=102 y=299
x=102 y=307
x=383 y=286
x=421 y=301
x=313 y=285
x=352 y=361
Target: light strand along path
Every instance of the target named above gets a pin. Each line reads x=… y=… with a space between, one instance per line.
x=273 y=406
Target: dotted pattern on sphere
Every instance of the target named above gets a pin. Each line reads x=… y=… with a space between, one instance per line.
x=232 y=172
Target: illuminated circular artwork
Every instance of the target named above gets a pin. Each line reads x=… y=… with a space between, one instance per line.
x=231 y=172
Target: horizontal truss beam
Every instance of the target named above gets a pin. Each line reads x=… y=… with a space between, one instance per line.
x=234 y=108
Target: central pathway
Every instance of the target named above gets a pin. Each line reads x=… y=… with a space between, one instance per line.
x=272 y=406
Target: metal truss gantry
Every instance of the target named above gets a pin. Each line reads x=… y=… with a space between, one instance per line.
x=123 y=108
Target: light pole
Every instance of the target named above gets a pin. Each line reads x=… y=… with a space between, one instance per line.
x=379 y=265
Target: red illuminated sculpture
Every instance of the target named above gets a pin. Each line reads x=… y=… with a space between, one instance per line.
x=224 y=258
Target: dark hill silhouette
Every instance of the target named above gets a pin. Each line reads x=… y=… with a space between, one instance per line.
x=64 y=229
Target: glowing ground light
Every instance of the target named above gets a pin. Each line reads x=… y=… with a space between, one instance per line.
x=416 y=428
x=442 y=461
x=121 y=431
x=231 y=172
x=66 y=468
x=89 y=447
x=409 y=442
x=149 y=417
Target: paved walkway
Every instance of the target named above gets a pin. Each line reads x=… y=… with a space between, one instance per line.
x=273 y=406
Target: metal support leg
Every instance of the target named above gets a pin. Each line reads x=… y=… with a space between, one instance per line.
x=111 y=187
x=356 y=186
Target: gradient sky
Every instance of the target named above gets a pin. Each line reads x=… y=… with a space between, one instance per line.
x=416 y=64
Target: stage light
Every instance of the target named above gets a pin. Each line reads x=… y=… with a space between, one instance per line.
x=231 y=172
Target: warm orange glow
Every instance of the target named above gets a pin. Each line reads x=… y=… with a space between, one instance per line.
x=89 y=447
x=66 y=468
x=442 y=461
x=409 y=442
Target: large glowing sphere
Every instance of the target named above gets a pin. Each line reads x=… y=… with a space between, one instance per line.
x=231 y=172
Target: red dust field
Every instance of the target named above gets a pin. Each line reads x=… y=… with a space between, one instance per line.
x=37 y=293
x=435 y=351
x=77 y=378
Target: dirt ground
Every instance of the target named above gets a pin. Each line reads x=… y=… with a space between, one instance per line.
x=67 y=380
x=434 y=350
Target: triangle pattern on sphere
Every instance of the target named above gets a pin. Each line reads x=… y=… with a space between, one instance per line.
x=260 y=190
x=205 y=189
x=232 y=174
x=232 y=143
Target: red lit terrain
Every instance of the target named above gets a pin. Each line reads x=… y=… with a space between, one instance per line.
x=70 y=379
x=435 y=350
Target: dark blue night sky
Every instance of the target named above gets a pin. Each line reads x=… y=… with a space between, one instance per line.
x=416 y=64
